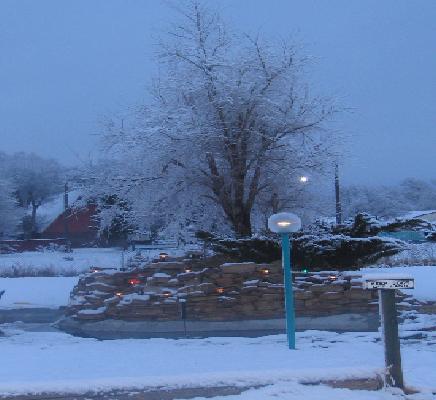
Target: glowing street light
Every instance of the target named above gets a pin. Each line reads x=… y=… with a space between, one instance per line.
x=304 y=179
x=285 y=223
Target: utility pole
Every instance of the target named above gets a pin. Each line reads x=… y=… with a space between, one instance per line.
x=338 y=196
x=66 y=215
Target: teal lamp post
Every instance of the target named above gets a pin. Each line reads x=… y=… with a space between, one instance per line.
x=285 y=223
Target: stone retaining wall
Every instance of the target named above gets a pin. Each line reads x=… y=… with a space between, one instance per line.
x=230 y=292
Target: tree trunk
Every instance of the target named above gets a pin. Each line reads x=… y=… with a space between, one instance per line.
x=33 y=219
x=242 y=223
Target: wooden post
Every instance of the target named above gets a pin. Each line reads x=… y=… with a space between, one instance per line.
x=183 y=314
x=388 y=314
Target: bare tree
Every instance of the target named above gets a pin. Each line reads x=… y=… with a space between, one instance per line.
x=231 y=119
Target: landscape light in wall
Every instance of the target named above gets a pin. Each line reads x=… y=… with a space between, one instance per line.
x=304 y=179
x=163 y=256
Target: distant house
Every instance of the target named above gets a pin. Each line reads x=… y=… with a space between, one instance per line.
x=79 y=224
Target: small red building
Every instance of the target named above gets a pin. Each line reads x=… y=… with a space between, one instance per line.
x=78 y=225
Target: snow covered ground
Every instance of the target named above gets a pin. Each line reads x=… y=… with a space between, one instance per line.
x=294 y=390
x=54 y=361
x=30 y=292
x=53 y=263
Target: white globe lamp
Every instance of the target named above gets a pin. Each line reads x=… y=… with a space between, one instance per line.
x=284 y=222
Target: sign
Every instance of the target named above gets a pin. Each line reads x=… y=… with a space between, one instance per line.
x=389 y=284
x=386 y=284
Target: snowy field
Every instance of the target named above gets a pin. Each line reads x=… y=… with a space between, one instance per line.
x=31 y=292
x=55 y=263
x=53 y=361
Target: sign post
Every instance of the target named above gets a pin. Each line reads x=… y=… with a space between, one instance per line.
x=386 y=286
x=285 y=223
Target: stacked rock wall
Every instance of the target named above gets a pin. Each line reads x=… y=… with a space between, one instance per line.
x=159 y=291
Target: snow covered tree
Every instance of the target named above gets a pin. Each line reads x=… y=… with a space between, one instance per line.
x=34 y=180
x=231 y=123
x=10 y=213
x=389 y=201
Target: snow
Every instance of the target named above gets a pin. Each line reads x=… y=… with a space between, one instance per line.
x=127 y=299
x=60 y=263
x=161 y=275
x=99 y=310
x=416 y=214
x=425 y=279
x=31 y=292
x=386 y=275
x=294 y=390
x=253 y=282
x=54 y=361
x=50 y=210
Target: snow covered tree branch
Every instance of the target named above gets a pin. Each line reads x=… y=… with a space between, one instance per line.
x=231 y=120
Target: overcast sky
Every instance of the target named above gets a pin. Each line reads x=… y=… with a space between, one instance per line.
x=66 y=64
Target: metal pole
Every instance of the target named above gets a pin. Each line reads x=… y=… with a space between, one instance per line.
x=183 y=314
x=338 y=196
x=388 y=311
x=289 y=298
x=66 y=216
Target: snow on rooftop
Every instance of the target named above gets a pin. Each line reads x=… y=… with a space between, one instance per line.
x=49 y=211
